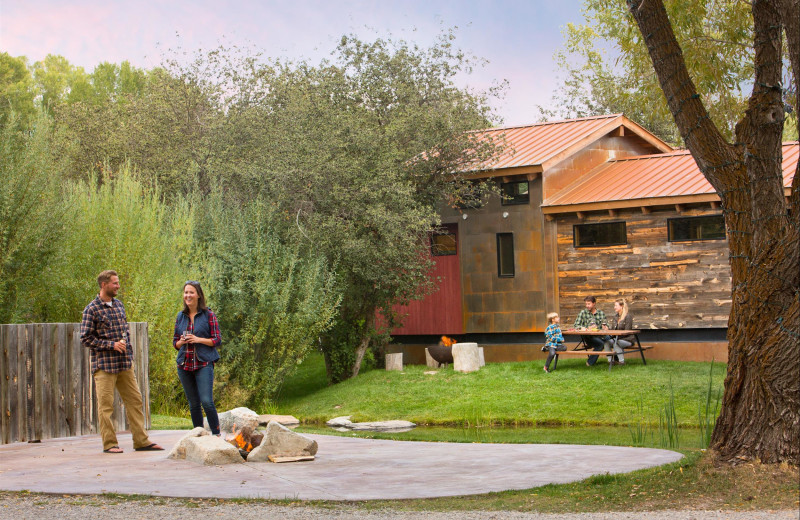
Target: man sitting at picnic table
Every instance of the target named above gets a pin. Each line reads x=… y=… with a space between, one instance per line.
x=591 y=318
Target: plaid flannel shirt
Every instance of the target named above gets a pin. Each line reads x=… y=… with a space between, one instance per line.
x=586 y=319
x=102 y=325
x=553 y=336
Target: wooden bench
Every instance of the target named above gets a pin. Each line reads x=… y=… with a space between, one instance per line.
x=586 y=353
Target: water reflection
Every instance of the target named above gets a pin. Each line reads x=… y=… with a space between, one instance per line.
x=690 y=438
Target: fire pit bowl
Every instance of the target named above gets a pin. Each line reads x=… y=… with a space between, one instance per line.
x=441 y=353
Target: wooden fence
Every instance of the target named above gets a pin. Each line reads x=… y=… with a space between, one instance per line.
x=46 y=385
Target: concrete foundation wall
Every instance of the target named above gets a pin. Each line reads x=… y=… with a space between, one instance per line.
x=510 y=352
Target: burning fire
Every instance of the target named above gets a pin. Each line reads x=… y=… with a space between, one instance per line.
x=447 y=342
x=245 y=438
x=241 y=443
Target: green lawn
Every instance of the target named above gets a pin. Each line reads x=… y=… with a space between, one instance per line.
x=505 y=394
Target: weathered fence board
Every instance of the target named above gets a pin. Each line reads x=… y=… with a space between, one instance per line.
x=46 y=384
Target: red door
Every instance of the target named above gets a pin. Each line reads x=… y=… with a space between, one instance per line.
x=440 y=312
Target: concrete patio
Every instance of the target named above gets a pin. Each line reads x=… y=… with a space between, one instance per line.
x=345 y=469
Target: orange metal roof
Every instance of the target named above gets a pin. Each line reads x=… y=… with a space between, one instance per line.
x=534 y=145
x=671 y=174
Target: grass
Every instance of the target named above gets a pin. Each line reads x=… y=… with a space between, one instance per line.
x=505 y=394
x=620 y=407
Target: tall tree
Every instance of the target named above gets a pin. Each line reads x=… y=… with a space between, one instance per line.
x=760 y=416
x=608 y=70
x=360 y=152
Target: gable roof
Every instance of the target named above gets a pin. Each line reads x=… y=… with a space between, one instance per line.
x=536 y=147
x=669 y=178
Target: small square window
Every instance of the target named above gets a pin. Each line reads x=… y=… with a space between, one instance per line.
x=505 y=255
x=602 y=234
x=443 y=244
x=515 y=193
x=711 y=227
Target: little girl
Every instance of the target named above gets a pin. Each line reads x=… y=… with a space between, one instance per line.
x=554 y=340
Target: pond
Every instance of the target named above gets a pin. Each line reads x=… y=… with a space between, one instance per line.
x=651 y=437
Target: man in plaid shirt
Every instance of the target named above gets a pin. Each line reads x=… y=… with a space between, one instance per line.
x=104 y=330
x=588 y=318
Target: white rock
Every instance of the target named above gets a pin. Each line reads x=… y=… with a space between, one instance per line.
x=212 y=451
x=241 y=417
x=466 y=357
x=378 y=426
x=286 y=420
x=343 y=421
x=280 y=441
x=179 y=450
x=203 y=448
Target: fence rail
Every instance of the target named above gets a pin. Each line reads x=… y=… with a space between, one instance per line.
x=46 y=385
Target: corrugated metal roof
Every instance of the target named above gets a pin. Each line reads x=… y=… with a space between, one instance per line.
x=533 y=145
x=671 y=174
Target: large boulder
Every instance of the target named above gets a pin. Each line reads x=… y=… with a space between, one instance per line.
x=242 y=417
x=201 y=447
x=280 y=441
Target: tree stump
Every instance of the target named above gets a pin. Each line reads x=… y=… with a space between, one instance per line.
x=429 y=361
x=394 y=361
x=466 y=357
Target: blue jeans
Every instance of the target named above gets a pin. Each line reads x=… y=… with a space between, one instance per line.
x=596 y=344
x=198 y=386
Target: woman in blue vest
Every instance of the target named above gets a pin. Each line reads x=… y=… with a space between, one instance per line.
x=196 y=338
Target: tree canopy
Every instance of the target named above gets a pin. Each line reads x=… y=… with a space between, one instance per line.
x=607 y=68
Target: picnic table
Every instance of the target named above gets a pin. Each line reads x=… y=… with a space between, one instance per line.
x=582 y=349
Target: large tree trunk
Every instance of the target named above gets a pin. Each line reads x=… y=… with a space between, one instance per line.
x=760 y=416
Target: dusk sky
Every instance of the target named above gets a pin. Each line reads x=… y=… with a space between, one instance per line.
x=517 y=37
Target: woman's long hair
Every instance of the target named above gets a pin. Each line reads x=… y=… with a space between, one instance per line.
x=624 y=304
x=201 y=298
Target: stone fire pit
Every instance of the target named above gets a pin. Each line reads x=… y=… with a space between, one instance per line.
x=276 y=444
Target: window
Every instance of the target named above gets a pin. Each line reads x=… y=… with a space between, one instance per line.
x=471 y=197
x=604 y=234
x=443 y=244
x=505 y=255
x=711 y=227
x=515 y=193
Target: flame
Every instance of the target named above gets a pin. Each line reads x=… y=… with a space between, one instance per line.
x=243 y=444
x=447 y=342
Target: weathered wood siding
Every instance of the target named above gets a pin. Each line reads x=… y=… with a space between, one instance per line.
x=46 y=386
x=667 y=284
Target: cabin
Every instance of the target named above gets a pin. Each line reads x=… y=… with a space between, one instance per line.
x=591 y=206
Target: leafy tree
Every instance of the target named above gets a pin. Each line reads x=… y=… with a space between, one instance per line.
x=273 y=296
x=29 y=213
x=760 y=415
x=16 y=90
x=608 y=69
x=359 y=153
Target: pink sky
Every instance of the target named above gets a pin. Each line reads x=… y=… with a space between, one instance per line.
x=518 y=37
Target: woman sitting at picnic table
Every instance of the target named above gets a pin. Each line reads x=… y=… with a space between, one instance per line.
x=622 y=321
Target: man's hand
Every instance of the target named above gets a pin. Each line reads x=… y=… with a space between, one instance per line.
x=120 y=346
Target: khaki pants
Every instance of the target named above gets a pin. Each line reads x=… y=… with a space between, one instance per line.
x=125 y=383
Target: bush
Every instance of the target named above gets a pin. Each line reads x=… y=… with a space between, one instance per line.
x=273 y=297
x=119 y=224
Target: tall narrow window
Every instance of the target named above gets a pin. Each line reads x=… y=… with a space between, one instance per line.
x=505 y=255
x=711 y=227
x=515 y=193
x=602 y=234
